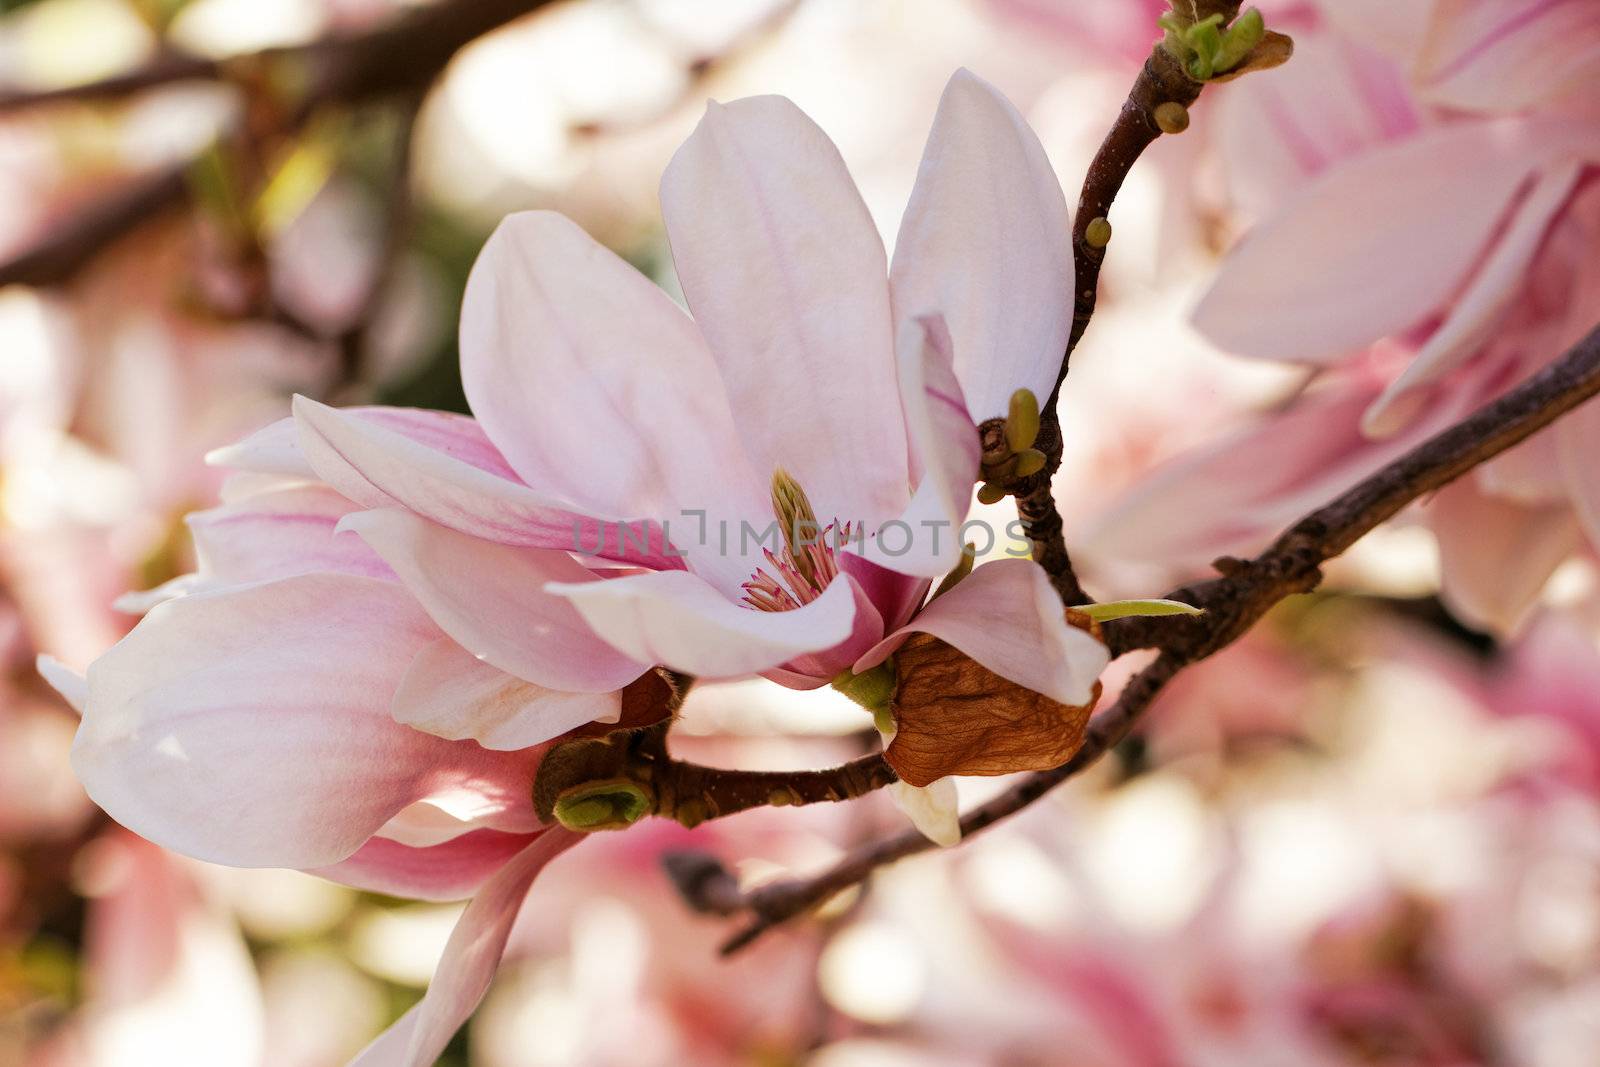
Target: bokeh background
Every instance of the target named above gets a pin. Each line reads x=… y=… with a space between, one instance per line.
x=1367 y=834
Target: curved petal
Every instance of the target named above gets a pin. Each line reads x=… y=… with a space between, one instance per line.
x=470 y=960
x=1577 y=444
x=450 y=693
x=783 y=268
x=1495 y=556
x=72 y=686
x=1008 y=617
x=251 y=727
x=934 y=809
x=681 y=621
x=453 y=870
x=1473 y=314
x=272 y=534
x=987 y=243
x=491 y=599
x=1401 y=205
x=1279 y=130
x=1508 y=55
x=945 y=451
x=381 y=468
x=598 y=387
x=275 y=448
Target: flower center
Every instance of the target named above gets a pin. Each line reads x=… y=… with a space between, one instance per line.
x=808 y=561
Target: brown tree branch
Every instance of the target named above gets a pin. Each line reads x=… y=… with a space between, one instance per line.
x=1162 y=83
x=1234 y=603
x=71 y=244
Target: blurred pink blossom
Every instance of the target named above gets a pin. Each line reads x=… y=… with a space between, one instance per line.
x=1482 y=227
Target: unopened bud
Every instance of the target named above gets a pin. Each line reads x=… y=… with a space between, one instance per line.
x=1238 y=40
x=1171 y=117
x=1022 y=420
x=989 y=493
x=610 y=805
x=1029 y=462
x=1098 y=232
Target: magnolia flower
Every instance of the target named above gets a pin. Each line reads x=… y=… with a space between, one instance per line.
x=782 y=475
x=373 y=706
x=291 y=705
x=1472 y=265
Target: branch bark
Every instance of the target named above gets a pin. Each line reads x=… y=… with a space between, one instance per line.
x=1234 y=602
x=1162 y=81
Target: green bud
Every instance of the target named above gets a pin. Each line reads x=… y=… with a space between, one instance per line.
x=1122 y=609
x=872 y=689
x=611 y=805
x=989 y=493
x=1022 y=420
x=1238 y=41
x=1030 y=462
x=1171 y=117
x=1098 y=232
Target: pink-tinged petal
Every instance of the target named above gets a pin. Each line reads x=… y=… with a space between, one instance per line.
x=896 y=596
x=1402 y=206
x=72 y=686
x=453 y=870
x=681 y=621
x=945 y=456
x=934 y=809
x=1008 y=617
x=1475 y=312
x=986 y=242
x=491 y=599
x=251 y=727
x=1495 y=556
x=450 y=693
x=1532 y=473
x=813 y=669
x=1232 y=497
x=378 y=467
x=1279 y=129
x=168 y=977
x=275 y=448
x=598 y=387
x=273 y=534
x=783 y=268
x=1577 y=446
x=1508 y=55
x=470 y=960
x=1397 y=29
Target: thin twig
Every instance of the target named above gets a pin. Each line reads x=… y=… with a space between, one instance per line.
x=1234 y=603
x=1161 y=81
x=72 y=243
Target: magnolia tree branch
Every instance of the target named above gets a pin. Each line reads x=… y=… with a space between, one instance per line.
x=1164 y=88
x=1234 y=602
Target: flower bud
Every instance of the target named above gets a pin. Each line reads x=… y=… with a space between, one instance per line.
x=612 y=805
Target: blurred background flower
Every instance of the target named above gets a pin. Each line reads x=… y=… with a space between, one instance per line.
x=1367 y=834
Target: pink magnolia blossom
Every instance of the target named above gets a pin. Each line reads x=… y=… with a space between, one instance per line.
x=1443 y=248
x=395 y=611
x=616 y=413
x=274 y=714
